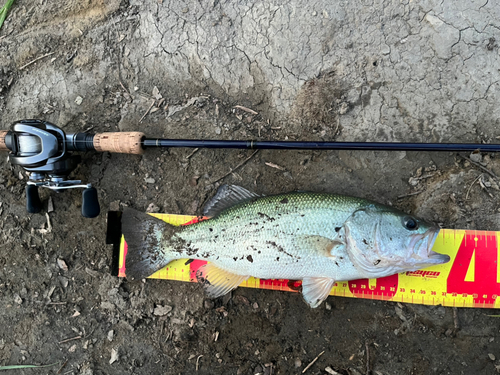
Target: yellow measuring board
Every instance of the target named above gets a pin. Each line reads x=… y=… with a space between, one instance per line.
x=470 y=279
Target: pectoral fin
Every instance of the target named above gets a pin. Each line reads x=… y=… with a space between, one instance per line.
x=216 y=281
x=316 y=289
x=323 y=245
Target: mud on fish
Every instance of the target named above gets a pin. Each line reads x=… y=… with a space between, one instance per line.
x=314 y=237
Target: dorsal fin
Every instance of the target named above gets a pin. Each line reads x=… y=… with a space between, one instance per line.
x=226 y=196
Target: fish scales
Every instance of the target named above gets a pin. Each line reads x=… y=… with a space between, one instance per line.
x=264 y=237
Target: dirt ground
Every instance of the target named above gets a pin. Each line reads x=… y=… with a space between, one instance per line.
x=59 y=302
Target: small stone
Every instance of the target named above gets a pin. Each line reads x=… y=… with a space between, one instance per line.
x=255 y=305
x=298 y=362
x=201 y=101
x=343 y=108
x=162 y=310
x=72 y=349
x=208 y=304
x=149 y=180
x=414 y=181
x=218 y=130
x=476 y=157
x=114 y=356
x=194 y=180
x=64 y=281
x=492 y=357
x=18 y=299
x=78 y=100
x=156 y=93
x=111 y=335
x=331 y=371
x=50 y=207
x=62 y=265
x=152 y=208
x=328 y=306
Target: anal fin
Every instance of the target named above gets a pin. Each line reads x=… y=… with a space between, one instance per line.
x=218 y=282
x=316 y=289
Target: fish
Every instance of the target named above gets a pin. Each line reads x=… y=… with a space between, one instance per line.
x=318 y=238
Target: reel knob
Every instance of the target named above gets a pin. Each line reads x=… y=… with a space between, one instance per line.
x=90 y=203
x=33 y=202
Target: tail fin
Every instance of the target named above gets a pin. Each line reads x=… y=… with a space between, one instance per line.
x=145 y=237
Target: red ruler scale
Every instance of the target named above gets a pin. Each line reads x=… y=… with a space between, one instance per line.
x=470 y=279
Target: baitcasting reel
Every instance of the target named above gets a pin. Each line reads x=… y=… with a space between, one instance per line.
x=43 y=150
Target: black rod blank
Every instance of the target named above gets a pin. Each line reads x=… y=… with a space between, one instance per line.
x=293 y=145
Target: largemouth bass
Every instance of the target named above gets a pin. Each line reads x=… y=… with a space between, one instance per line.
x=314 y=237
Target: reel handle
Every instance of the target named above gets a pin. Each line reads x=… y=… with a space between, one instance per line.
x=3 y=146
x=33 y=202
x=90 y=203
x=123 y=142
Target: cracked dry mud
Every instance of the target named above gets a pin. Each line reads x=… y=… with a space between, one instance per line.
x=313 y=70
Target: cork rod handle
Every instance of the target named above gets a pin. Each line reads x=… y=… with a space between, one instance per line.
x=124 y=143
x=3 y=146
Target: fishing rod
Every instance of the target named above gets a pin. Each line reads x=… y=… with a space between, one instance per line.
x=45 y=151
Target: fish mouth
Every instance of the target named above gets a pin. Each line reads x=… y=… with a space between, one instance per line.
x=421 y=247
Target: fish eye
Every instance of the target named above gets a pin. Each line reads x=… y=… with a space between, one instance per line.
x=410 y=223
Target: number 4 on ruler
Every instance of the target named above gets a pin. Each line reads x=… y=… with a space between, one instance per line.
x=474 y=271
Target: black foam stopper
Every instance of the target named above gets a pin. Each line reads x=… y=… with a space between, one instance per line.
x=33 y=202
x=90 y=203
